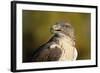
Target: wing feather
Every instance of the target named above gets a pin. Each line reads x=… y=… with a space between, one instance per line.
x=48 y=54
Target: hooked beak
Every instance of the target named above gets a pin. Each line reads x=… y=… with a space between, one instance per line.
x=56 y=28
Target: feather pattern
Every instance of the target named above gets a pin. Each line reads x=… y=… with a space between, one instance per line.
x=61 y=47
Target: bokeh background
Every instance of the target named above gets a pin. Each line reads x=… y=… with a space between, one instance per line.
x=36 y=30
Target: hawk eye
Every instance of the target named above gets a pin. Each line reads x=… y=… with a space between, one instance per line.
x=68 y=26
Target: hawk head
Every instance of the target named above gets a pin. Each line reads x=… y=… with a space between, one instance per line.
x=63 y=29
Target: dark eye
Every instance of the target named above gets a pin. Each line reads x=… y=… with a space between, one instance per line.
x=68 y=26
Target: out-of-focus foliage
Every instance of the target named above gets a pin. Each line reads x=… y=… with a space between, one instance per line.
x=36 y=30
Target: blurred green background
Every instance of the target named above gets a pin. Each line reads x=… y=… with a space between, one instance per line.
x=36 y=30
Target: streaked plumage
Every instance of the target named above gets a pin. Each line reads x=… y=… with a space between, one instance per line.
x=61 y=47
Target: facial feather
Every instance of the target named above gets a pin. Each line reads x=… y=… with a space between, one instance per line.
x=62 y=29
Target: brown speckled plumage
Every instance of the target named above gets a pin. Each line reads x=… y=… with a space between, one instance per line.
x=61 y=47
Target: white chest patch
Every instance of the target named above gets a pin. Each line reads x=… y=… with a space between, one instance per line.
x=69 y=52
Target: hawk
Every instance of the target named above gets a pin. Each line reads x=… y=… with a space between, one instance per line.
x=61 y=46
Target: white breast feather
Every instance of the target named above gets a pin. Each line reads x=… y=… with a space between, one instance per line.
x=69 y=52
